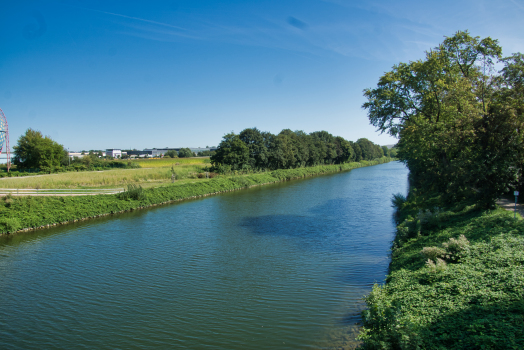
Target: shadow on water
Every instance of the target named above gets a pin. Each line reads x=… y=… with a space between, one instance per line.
x=305 y=231
x=337 y=225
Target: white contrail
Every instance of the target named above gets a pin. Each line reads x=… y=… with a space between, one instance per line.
x=136 y=18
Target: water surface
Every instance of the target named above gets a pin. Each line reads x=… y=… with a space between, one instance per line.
x=278 y=266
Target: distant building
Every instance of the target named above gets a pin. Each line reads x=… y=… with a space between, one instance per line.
x=159 y=152
x=114 y=152
x=135 y=153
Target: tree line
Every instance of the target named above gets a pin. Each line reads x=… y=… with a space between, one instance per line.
x=458 y=118
x=253 y=149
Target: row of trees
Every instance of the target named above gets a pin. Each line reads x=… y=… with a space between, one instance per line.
x=253 y=149
x=459 y=121
x=182 y=153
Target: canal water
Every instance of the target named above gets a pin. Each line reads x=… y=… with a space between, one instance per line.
x=282 y=266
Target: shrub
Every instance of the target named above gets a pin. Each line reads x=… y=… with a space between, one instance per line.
x=439 y=266
x=9 y=225
x=433 y=253
x=455 y=248
x=134 y=192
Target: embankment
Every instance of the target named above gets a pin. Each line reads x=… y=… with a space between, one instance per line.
x=28 y=213
x=456 y=282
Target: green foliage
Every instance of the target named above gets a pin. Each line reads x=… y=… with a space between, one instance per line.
x=185 y=153
x=460 y=122
x=455 y=284
x=256 y=150
x=205 y=153
x=171 y=154
x=232 y=151
x=36 y=151
x=9 y=225
x=134 y=192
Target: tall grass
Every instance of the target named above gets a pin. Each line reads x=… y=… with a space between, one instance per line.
x=104 y=179
x=168 y=162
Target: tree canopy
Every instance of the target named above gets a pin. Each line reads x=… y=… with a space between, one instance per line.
x=38 y=152
x=458 y=120
x=185 y=153
x=253 y=149
x=171 y=153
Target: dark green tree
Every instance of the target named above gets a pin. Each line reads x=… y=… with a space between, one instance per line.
x=231 y=152
x=345 y=152
x=185 y=153
x=171 y=154
x=258 y=146
x=36 y=151
x=459 y=122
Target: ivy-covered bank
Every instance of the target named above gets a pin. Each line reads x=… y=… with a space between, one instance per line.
x=456 y=281
x=26 y=213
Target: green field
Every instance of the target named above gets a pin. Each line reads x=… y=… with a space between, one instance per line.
x=157 y=173
x=167 y=162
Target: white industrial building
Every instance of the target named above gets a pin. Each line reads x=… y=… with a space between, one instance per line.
x=114 y=152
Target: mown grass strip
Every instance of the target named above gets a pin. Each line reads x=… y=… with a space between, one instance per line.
x=24 y=213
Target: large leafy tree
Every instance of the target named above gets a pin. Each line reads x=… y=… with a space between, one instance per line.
x=457 y=122
x=185 y=153
x=36 y=151
x=257 y=143
x=232 y=151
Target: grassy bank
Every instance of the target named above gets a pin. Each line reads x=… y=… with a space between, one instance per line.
x=456 y=282
x=18 y=213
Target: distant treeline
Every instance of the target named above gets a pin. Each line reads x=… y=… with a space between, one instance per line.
x=253 y=149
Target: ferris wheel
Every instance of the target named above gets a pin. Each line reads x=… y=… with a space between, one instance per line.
x=4 y=139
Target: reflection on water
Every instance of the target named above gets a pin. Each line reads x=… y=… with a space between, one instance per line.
x=278 y=266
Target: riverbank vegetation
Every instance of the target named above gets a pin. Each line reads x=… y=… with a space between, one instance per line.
x=18 y=213
x=457 y=273
x=456 y=281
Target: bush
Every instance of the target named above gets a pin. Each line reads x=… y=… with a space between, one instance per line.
x=133 y=192
x=9 y=225
x=433 y=253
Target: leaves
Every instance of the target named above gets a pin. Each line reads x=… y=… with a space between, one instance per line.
x=459 y=122
x=35 y=151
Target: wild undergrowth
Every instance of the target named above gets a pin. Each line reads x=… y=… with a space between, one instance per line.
x=456 y=281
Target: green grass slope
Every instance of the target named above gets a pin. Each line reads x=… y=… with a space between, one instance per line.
x=456 y=282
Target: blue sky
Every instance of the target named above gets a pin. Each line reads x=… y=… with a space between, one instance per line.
x=125 y=74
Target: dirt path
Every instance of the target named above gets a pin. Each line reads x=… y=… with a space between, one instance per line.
x=508 y=203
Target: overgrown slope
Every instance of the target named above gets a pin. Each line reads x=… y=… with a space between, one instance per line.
x=456 y=282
